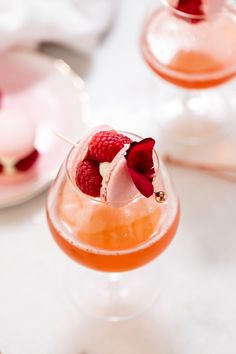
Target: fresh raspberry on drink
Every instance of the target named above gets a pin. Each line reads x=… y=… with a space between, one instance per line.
x=105 y=145
x=88 y=178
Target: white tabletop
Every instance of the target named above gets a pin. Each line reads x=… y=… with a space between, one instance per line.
x=196 y=310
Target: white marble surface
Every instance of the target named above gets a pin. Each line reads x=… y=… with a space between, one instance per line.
x=196 y=311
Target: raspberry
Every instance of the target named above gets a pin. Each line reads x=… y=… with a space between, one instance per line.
x=104 y=145
x=88 y=178
x=124 y=139
x=26 y=163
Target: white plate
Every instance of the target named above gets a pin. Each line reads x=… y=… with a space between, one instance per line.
x=54 y=96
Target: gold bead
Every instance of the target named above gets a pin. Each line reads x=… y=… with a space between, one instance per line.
x=160 y=196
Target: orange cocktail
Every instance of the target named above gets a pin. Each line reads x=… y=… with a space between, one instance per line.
x=106 y=238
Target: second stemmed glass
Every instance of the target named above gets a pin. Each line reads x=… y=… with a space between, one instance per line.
x=195 y=53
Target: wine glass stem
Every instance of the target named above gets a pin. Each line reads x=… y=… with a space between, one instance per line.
x=191 y=100
x=114 y=285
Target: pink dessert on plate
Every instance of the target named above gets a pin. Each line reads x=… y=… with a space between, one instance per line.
x=17 y=143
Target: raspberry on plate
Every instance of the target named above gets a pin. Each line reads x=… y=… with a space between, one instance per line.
x=27 y=162
x=88 y=178
x=105 y=145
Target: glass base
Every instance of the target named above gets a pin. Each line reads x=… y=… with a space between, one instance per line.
x=195 y=117
x=187 y=137
x=114 y=296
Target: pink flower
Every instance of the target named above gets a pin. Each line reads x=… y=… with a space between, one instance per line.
x=140 y=164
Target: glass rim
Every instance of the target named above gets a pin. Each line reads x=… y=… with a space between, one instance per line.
x=224 y=74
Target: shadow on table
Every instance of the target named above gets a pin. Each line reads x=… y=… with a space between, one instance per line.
x=207 y=217
x=25 y=211
x=78 y=62
x=143 y=334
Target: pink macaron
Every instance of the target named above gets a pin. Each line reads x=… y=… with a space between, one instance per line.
x=117 y=185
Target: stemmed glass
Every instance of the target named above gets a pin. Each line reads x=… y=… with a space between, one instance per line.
x=196 y=53
x=113 y=242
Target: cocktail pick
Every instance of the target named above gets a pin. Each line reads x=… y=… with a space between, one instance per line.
x=65 y=139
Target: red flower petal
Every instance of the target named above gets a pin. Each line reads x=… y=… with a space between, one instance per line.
x=191 y=7
x=143 y=184
x=140 y=164
x=139 y=156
